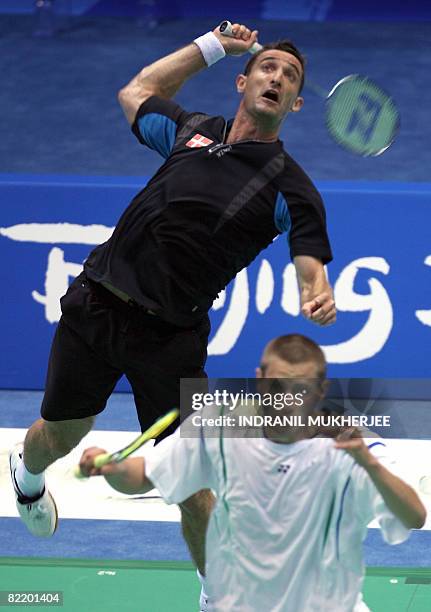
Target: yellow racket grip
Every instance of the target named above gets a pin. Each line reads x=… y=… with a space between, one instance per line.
x=99 y=461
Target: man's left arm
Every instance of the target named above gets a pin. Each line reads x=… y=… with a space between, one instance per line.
x=300 y=211
x=317 y=299
x=400 y=498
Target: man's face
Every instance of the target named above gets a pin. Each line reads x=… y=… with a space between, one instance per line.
x=271 y=89
x=291 y=378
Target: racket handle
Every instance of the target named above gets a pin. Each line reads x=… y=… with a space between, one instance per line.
x=77 y=473
x=101 y=460
x=98 y=462
x=226 y=29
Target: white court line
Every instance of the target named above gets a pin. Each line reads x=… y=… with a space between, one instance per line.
x=87 y=498
x=95 y=499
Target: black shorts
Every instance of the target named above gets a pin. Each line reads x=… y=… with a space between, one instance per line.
x=99 y=338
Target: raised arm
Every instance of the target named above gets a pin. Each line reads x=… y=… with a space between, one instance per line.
x=317 y=300
x=166 y=76
x=401 y=499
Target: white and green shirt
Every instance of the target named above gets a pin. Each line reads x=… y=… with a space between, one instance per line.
x=287 y=530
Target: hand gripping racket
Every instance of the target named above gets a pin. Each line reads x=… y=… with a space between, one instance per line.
x=226 y=29
x=360 y=115
x=152 y=432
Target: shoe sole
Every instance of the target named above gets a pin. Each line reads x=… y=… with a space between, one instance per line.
x=50 y=496
x=56 y=516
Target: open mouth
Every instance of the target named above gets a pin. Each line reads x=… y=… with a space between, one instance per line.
x=271 y=94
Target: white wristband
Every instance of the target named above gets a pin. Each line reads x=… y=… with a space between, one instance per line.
x=211 y=48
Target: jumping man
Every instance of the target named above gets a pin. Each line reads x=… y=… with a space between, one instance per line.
x=225 y=191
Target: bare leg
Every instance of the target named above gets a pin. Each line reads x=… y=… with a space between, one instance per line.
x=195 y=514
x=47 y=441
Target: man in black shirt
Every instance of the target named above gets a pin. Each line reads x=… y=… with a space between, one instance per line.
x=224 y=192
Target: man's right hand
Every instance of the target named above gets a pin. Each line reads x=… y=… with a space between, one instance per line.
x=128 y=476
x=240 y=42
x=86 y=463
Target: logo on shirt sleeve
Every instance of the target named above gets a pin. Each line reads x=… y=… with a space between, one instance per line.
x=198 y=141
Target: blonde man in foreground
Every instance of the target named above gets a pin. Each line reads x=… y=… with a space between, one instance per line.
x=292 y=508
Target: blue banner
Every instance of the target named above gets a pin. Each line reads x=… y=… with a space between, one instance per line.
x=381 y=274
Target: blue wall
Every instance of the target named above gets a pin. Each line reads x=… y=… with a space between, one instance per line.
x=381 y=240
x=303 y=10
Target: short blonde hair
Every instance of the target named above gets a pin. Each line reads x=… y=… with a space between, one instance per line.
x=296 y=348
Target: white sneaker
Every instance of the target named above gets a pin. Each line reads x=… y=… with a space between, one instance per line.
x=203 y=601
x=39 y=514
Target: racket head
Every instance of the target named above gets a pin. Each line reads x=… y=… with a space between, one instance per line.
x=361 y=116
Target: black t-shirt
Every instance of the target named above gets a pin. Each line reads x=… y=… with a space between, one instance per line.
x=206 y=214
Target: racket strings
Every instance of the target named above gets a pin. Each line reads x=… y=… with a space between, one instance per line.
x=361 y=116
